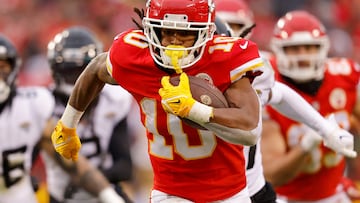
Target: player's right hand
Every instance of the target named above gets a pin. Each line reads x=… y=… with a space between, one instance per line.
x=66 y=142
x=340 y=140
x=176 y=99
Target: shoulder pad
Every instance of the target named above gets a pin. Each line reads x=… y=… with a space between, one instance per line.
x=41 y=99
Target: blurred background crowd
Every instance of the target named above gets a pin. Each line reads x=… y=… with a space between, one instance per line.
x=31 y=24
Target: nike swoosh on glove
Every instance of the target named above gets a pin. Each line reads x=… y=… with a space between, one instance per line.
x=65 y=141
x=176 y=99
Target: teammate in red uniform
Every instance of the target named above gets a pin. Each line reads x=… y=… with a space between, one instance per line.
x=295 y=162
x=189 y=165
x=239 y=18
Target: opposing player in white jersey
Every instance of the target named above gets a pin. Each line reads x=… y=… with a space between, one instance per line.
x=239 y=19
x=103 y=129
x=24 y=113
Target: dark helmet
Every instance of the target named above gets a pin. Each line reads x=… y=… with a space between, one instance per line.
x=222 y=28
x=69 y=53
x=8 y=53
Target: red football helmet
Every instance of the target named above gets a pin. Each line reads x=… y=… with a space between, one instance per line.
x=235 y=12
x=300 y=28
x=188 y=15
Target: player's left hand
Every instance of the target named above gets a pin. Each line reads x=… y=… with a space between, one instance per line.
x=340 y=140
x=66 y=142
x=176 y=99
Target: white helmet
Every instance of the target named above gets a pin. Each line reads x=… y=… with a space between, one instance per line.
x=300 y=28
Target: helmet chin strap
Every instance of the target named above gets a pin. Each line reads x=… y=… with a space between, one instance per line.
x=175 y=55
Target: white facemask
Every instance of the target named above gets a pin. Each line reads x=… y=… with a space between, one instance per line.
x=4 y=91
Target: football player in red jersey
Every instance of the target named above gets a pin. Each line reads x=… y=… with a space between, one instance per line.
x=239 y=18
x=298 y=165
x=190 y=165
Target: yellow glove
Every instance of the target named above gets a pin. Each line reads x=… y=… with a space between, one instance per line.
x=176 y=99
x=179 y=101
x=66 y=142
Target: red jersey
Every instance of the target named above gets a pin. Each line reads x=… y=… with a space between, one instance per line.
x=337 y=95
x=187 y=162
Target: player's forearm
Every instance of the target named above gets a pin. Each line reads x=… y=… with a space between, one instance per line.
x=242 y=133
x=82 y=173
x=281 y=171
x=240 y=124
x=291 y=104
x=87 y=88
x=90 y=83
x=119 y=171
x=88 y=177
x=244 y=111
x=92 y=180
x=241 y=118
x=296 y=108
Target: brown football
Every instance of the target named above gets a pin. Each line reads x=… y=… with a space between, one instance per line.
x=204 y=92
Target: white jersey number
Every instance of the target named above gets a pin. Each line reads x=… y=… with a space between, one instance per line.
x=180 y=146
